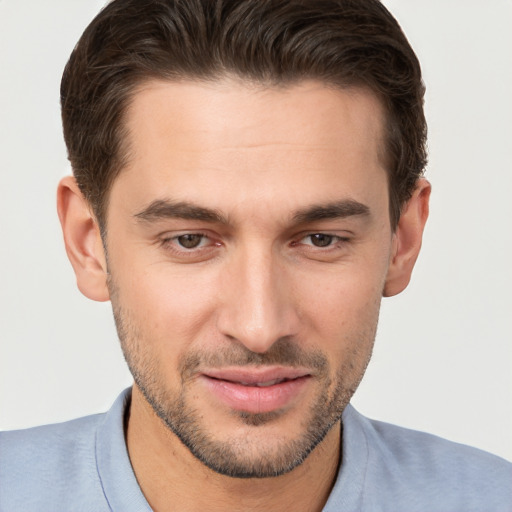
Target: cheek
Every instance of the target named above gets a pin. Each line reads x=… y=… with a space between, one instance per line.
x=169 y=307
x=346 y=310
x=342 y=308
x=345 y=292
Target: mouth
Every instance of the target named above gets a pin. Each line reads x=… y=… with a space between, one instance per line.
x=256 y=390
x=264 y=384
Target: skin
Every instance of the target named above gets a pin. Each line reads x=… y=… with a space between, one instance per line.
x=262 y=290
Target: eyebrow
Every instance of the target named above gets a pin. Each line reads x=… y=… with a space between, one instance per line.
x=162 y=209
x=165 y=209
x=336 y=210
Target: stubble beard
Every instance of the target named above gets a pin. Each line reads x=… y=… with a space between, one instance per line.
x=234 y=457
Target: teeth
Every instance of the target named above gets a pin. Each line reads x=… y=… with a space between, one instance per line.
x=263 y=384
x=268 y=383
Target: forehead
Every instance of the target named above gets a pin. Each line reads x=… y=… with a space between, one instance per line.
x=189 y=139
x=238 y=110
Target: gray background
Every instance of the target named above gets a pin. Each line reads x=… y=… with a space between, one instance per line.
x=443 y=356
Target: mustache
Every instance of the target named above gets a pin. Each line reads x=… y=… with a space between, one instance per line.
x=284 y=352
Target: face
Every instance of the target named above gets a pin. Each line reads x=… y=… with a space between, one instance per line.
x=248 y=243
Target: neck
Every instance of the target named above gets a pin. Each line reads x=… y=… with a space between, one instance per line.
x=171 y=478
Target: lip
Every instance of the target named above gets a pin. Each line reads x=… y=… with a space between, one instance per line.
x=256 y=390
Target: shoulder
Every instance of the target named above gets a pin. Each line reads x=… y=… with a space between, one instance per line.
x=39 y=466
x=419 y=471
x=421 y=452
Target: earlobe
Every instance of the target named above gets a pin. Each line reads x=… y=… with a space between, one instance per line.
x=407 y=239
x=82 y=239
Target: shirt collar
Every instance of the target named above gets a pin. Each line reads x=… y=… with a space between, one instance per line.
x=116 y=474
x=122 y=490
x=347 y=493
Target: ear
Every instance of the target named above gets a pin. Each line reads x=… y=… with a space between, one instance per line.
x=82 y=240
x=407 y=239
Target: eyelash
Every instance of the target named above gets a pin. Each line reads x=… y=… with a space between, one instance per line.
x=172 y=243
x=335 y=240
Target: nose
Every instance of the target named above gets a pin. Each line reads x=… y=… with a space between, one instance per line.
x=257 y=300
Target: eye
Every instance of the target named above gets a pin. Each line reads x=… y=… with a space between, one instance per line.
x=189 y=247
x=187 y=243
x=190 y=240
x=324 y=247
x=320 y=239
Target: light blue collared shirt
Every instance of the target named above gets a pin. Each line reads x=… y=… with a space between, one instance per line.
x=83 y=465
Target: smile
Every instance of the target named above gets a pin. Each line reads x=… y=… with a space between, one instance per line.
x=256 y=391
x=263 y=384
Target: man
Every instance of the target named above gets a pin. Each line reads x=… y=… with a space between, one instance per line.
x=247 y=186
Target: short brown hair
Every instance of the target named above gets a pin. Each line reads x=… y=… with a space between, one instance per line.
x=340 y=42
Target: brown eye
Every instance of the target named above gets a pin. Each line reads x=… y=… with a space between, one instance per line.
x=321 y=240
x=190 y=241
